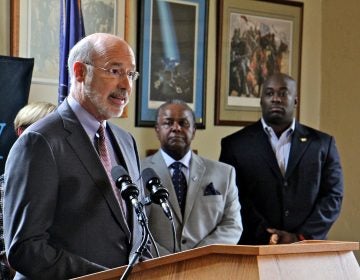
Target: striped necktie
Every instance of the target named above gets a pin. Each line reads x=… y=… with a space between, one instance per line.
x=106 y=161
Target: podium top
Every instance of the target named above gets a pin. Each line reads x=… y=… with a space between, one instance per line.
x=302 y=247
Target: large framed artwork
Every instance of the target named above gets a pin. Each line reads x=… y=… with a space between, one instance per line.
x=35 y=30
x=172 y=56
x=255 y=39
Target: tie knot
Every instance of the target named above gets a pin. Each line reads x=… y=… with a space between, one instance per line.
x=177 y=165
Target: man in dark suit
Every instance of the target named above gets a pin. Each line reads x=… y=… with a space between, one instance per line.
x=208 y=210
x=289 y=175
x=63 y=217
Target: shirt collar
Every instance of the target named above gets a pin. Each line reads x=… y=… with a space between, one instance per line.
x=169 y=160
x=268 y=129
x=88 y=121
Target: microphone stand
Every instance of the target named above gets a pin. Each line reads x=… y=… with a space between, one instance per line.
x=147 y=201
x=145 y=237
x=129 y=191
x=146 y=234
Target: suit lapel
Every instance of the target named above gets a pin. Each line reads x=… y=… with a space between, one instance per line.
x=126 y=151
x=81 y=144
x=263 y=147
x=197 y=171
x=119 y=149
x=299 y=144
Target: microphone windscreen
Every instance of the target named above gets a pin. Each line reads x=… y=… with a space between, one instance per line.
x=148 y=174
x=117 y=172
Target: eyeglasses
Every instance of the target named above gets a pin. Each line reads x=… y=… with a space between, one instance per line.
x=118 y=72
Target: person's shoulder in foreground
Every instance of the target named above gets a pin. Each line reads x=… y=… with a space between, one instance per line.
x=26 y=116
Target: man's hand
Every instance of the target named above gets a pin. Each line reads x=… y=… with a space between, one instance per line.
x=281 y=237
x=6 y=271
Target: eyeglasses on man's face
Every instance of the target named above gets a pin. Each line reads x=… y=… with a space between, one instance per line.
x=117 y=72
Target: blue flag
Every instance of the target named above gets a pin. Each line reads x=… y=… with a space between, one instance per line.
x=71 y=31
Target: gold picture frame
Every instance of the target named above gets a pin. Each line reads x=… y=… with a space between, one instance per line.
x=255 y=39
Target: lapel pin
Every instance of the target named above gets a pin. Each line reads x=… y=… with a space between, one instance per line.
x=303 y=139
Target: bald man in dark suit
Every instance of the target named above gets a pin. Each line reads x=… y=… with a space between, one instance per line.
x=289 y=175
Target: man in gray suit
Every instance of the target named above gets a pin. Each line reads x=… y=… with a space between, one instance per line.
x=63 y=217
x=209 y=210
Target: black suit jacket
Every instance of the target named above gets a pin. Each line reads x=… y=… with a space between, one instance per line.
x=306 y=200
x=61 y=217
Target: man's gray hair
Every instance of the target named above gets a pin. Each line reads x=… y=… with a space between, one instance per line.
x=82 y=51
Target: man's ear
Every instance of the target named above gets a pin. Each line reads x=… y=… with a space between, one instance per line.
x=79 y=71
x=157 y=129
x=19 y=130
x=193 y=135
x=296 y=101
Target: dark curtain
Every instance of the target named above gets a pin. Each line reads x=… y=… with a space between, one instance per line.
x=15 y=80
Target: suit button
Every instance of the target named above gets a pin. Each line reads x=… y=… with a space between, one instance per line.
x=285 y=183
x=287 y=212
x=183 y=241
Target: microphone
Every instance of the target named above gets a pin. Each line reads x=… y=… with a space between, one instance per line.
x=158 y=193
x=128 y=190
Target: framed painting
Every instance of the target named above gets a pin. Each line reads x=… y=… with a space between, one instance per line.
x=172 y=56
x=35 y=30
x=255 y=39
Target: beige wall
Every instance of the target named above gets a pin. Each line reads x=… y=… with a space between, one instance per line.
x=330 y=30
x=340 y=100
x=310 y=83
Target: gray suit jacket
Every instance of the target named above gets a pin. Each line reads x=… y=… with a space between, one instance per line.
x=61 y=217
x=208 y=219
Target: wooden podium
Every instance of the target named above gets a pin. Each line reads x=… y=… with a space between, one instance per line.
x=330 y=260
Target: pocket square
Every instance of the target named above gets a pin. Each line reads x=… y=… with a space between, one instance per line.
x=210 y=190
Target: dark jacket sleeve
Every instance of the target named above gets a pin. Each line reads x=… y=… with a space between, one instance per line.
x=327 y=207
x=254 y=223
x=28 y=216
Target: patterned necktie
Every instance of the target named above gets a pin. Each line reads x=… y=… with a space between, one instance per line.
x=106 y=161
x=180 y=185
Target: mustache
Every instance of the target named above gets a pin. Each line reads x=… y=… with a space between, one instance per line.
x=120 y=93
